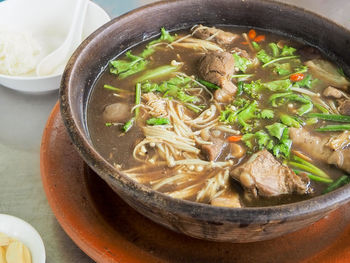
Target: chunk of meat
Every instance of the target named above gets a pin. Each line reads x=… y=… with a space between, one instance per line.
x=116 y=112
x=344 y=107
x=332 y=92
x=213 y=151
x=320 y=148
x=227 y=199
x=339 y=142
x=217 y=35
x=263 y=175
x=217 y=68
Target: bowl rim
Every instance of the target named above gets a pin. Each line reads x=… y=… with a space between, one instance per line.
x=199 y=211
x=36 y=244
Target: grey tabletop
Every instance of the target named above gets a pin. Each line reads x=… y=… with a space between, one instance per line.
x=22 y=120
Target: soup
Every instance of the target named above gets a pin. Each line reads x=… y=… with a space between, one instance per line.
x=231 y=117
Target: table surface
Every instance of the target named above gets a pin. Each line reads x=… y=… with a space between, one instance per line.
x=22 y=120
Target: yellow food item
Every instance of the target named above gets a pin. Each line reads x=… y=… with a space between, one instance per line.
x=13 y=251
x=2 y=255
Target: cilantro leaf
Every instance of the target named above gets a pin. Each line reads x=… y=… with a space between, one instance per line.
x=276 y=129
x=287 y=51
x=267 y=114
x=278 y=85
x=263 y=56
x=241 y=63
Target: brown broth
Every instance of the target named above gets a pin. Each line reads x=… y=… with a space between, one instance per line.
x=117 y=147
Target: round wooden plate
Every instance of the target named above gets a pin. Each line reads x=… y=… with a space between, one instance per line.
x=108 y=230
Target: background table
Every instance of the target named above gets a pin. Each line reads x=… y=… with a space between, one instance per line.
x=22 y=120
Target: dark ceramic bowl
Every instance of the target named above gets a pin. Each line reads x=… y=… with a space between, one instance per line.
x=194 y=219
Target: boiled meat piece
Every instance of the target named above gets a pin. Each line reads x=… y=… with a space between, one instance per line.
x=217 y=35
x=263 y=175
x=322 y=148
x=218 y=68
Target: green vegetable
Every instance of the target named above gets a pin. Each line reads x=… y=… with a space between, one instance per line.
x=275 y=49
x=289 y=121
x=314 y=177
x=195 y=108
x=267 y=114
x=340 y=127
x=208 y=84
x=127 y=126
x=157 y=72
x=173 y=88
x=279 y=99
x=246 y=114
x=277 y=59
x=309 y=167
x=108 y=124
x=158 y=121
x=165 y=36
x=242 y=115
x=264 y=140
x=247 y=139
x=321 y=108
x=242 y=76
x=113 y=88
x=305 y=82
x=341 y=181
x=240 y=102
x=283 y=69
x=256 y=46
x=252 y=89
x=263 y=56
x=124 y=68
x=241 y=63
x=278 y=85
x=287 y=51
x=330 y=117
x=240 y=85
x=284 y=145
x=137 y=98
x=311 y=121
x=276 y=129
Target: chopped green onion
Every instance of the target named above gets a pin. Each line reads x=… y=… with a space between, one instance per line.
x=158 y=121
x=113 y=88
x=275 y=49
x=157 y=72
x=341 y=127
x=128 y=125
x=289 y=121
x=321 y=108
x=108 y=124
x=193 y=107
x=208 y=84
x=341 y=181
x=243 y=76
x=278 y=59
x=309 y=167
x=256 y=46
x=330 y=117
x=137 y=98
x=315 y=177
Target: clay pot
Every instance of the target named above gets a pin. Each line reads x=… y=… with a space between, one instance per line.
x=195 y=219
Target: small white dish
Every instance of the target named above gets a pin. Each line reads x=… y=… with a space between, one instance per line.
x=18 y=229
x=48 y=21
